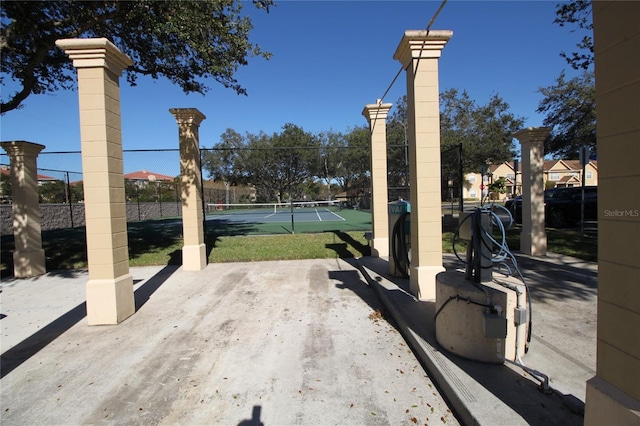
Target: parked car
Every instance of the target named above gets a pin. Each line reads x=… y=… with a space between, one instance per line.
x=510 y=204
x=562 y=206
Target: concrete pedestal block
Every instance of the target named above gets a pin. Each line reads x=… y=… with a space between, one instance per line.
x=462 y=327
x=28 y=263
x=380 y=247
x=422 y=281
x=110 y=301
x=194 y=258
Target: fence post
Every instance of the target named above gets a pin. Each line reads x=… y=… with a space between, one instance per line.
x=68 y=193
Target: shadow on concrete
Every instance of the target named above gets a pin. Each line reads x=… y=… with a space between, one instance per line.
x=565 y=281
x=14 y=357
x=520 y=393
x=143 y=293
x=255 y=418
x=352 y=280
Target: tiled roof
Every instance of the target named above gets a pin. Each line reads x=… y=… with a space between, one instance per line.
x=145 y=174
x=41 y=178
x=566 y=179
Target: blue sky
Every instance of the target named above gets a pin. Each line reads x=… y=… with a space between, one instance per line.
x=330 y=58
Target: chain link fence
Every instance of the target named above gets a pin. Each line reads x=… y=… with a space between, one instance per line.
x=152 y=189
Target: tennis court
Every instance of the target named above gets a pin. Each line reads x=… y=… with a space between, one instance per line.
x=277 y=212
x=289 y=217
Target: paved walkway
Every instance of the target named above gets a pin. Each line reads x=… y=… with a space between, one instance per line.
x=290 y=342
x=276 y=343
x=563 y=347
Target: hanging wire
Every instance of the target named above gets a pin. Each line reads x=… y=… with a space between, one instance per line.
x=433 y=19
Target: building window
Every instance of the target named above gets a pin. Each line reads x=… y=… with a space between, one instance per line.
x=472 y=193
x=511 y=176
x=472 y=179
x=554 y=176
x=589 y=175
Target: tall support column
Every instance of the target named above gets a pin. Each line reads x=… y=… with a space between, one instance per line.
x=533 y=238
x=28 y=257
x=194 y=257
x=613 y=395
x=376 y=114
x=110 y=287
x=419 y=52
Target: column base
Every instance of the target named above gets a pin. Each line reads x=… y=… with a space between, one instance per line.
x=194 y=258
x=422 y=281
x=380 y=247
x=110 y=301
x=606 y=404
x=27 y=264
x=533 y=245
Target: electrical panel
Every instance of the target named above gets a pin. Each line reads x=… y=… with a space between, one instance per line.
x=495 y=327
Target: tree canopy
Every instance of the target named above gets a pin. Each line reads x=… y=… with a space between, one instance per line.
x=185 y=41
x=570 y=108
x=485 y=132
x=577 y=13
x=291 y=164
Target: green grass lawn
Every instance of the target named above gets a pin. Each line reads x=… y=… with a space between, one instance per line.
x=159 y=242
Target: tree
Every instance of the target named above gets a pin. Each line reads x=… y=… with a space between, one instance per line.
x=498 y=186
x=279 y=166
x=397 y=151
x=577 y=12
x=5 y=186
x=52 y=192
x=223 y=160
x=570 y=109
x=184 y=41
x=331 y=159
x=355 y=176
x=485 y=132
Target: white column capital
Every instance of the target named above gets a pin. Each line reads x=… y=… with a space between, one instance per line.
x=377 y=111
x=14 y=148
x=95 y=53
x=417 y=44
x=187 y=115
x=532 y=134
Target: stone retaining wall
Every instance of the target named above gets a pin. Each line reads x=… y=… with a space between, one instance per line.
x=60 y=216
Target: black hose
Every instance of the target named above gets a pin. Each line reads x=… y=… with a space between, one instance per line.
x=399 y=245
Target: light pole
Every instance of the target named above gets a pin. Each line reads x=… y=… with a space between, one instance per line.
x=450 y=184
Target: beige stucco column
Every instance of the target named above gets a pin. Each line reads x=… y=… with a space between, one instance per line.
x=28 y=256
x=194 y=256
x=110 y=286
x=533 y=237
x=418 y=52
x=376 y=114
x=613 y=395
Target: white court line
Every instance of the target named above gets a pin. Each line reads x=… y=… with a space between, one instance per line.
x=318 y=214
x=336 y=214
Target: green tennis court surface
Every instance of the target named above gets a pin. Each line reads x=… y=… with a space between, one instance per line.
x=287 y=218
